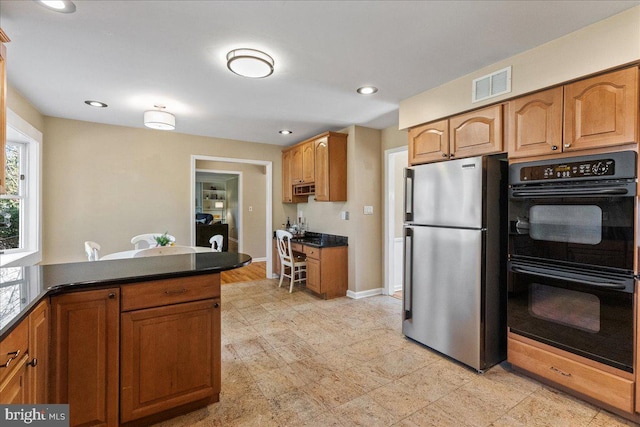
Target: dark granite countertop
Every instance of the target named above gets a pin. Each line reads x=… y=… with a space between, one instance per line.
x=21 y=288
x=321 y=240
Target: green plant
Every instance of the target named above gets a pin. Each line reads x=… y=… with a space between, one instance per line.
x=162 y=240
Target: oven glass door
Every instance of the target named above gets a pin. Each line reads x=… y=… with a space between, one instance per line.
x=593 y=231
x=585 y=314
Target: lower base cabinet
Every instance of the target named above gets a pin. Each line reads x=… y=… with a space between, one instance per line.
x=136 y=354
x=14 y=389
x=85 y=355
x=170 y=357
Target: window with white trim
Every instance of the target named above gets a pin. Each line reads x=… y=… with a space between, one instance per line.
x=12 y=204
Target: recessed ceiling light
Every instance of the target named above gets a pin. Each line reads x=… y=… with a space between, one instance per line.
x=285 y=132
x=96 y=104
x=62 y=6
x=250 y=63
x=367 y=90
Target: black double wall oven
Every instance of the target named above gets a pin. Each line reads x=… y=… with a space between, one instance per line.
x=571 y=255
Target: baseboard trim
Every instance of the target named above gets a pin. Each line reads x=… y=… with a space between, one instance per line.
x=263 y=259
x=365 y=294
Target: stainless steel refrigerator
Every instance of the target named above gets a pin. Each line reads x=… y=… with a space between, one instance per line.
x=455 y=258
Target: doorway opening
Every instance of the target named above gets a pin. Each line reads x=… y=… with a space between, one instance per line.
x=395 y=160
x=259 y=234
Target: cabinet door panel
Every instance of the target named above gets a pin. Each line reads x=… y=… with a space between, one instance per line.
x=313 y=275
x=85 y=364
x=602 y=111
x=476 y=133
x=14 y=388
x=429 y=143
x=39 y=354
x=322 y=169
x=308 y=162
x=296 y=165
x=287 y=187
x=535 y=124
x=170 y=357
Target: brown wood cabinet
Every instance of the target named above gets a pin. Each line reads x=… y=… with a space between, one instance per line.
x=331 y=167
x=170 y=357
x=317 y=167
x=561 y=369
x=23 y=375
x=38 y=365
x=287 y=187
x=3 y=106
x=13 y=361
x=327 y=270
x=476 y=133
x=179 y=319
x=535 y=124
x=598 y=112
x=429 y=142
x=601 y=111
x=85 y=359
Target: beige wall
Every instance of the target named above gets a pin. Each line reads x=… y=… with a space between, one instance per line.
x=605 y=44
x=253 y=194
x=364 y=187
x=108 y=183
x=19 y=105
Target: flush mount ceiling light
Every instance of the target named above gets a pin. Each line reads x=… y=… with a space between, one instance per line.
x=285 y=132
x=96 y=104
x=159 y=119
x=62 y=6
x=367 y=90
x=250 y=63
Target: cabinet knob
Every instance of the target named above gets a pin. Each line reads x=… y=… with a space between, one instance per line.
x=112 y=295
x=567 y=145
x=216 y=305
x=33 y=363
x=554 y=147
x=444 y=155
x=452 y=155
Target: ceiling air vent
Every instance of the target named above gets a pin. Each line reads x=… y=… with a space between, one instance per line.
x=491 y=85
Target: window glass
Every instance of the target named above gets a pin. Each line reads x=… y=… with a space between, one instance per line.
x=566 y=223
x=567 y=307
x=12 y=293
x=11 y=203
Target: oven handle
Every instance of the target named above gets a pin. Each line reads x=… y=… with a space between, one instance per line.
x=597 y=284
x=588 y=191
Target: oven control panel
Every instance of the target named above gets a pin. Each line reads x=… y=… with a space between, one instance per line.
x=571 y=170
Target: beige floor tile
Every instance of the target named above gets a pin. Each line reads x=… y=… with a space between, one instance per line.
x=364 y=411
x=607 y=419
x=396 y=400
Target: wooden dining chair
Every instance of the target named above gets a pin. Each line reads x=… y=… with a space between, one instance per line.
x=297 y=265
x=91 y=249
x=148 y=240
x=216 y=242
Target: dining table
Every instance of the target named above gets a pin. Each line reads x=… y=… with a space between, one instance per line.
x=132 y=253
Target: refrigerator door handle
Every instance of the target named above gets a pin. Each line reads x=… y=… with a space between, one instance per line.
x=408 y=273
x=408 y=195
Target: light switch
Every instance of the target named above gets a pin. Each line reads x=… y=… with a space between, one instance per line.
x=368 y=210
x=344 y=215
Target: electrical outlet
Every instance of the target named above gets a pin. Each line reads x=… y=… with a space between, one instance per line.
x=368 y=210
x=250 y=208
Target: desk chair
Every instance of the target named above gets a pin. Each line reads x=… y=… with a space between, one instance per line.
x=216 y=242
x=297 y=265
x=142 y=241
x=91 y=249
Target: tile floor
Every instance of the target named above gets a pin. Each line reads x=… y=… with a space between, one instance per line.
x=296 y=360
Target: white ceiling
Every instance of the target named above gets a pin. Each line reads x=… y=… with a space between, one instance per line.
x=134 y=54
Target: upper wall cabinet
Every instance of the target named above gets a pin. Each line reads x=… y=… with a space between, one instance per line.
x=535 y=124
x=429 y=143
x=3 y=106
x=475 y=133
x=598 y=112
x=316 y=166
x=601 y=111
x=330 y=153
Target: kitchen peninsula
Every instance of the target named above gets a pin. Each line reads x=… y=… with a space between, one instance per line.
x=123 y=342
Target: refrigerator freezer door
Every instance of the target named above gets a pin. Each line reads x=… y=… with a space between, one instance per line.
x=443 y=291
x=446 y=194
